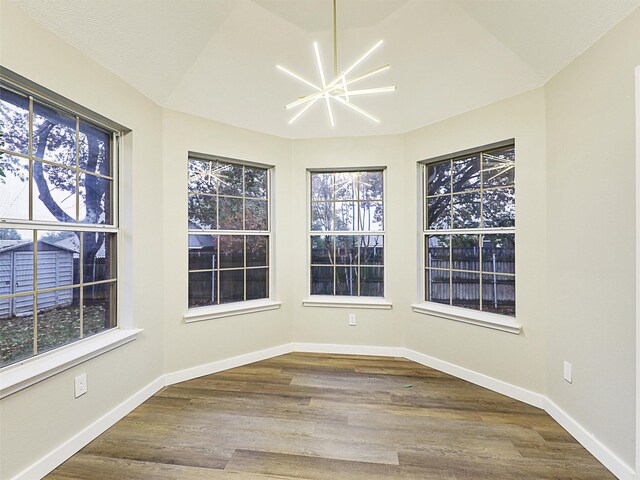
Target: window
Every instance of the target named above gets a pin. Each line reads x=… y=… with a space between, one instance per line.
x=229 y=231
x=58 y=257
x=469 y=230
x=347 y=233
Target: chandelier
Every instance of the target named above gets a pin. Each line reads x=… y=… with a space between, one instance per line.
x=336 y=90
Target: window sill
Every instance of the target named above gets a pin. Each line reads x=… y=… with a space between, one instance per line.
x=347 y=302
x=14 y=378
x=219 y=311
x=483 y=319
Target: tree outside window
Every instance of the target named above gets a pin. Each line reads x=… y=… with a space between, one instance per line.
x=469 y=230
x=347 y=233
x=229 y=231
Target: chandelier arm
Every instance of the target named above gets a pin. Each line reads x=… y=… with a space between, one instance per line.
x=362 y=112
x=329 y=111
x=368 y=74
x=297 y=77
x=367 y=91
x=304 y=109
x=306 y=99
x=316 y=49
x=362 y=58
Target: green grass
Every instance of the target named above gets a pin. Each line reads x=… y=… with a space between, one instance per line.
x=56 y=327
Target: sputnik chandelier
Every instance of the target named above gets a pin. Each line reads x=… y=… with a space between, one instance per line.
x=338 y=88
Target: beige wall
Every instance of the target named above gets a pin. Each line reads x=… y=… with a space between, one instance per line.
x=517 y=359
x=591 y=228
x=40 y=418
x=190 y=345
x=329 y=325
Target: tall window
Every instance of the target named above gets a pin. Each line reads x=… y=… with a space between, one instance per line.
x=59 y=227
x=347 y=233
x=229 y=231
x=469 y=230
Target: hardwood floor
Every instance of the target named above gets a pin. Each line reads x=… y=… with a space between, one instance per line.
x=319 y=417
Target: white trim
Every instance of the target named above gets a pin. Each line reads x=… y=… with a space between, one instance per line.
x=50 y=461
x=31 y=371
x=347 y=302
x=637 y=299
x=54 y=458
x=229 y=310
x=346 y=349
x=465 y=315
x=499 y=386
x=609 y=459
x=226 y=364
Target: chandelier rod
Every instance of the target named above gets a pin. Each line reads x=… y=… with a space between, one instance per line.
x=335 y=41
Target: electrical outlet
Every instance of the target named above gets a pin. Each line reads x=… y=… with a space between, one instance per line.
x=80 y=385
x=568 y=374
x=352 y=320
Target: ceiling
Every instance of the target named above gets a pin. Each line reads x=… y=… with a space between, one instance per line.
x=217 y=58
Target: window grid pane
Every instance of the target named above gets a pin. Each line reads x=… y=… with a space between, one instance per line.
x=471 y=269
x=57 y=284
x=347 y=233
x=226 y=267
x=239 y=195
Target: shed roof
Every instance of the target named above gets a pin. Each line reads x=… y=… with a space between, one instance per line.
x=9 y=245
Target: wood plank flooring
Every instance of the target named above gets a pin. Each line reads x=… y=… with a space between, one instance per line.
x=318 y=417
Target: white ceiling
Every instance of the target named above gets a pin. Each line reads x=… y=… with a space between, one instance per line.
x=217 y=58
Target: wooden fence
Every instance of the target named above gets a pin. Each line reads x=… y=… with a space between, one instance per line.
x=463 y=287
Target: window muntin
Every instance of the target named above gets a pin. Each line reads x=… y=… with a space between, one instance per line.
x=229 y=232
x=58 y=242
x=347 y=233
x=469 y=230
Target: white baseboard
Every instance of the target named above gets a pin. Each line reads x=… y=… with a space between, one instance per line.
x=609 y=459
x=517 y=393
x=346 y=349
x=71 y=446
x=226 y=364
x=54 y=458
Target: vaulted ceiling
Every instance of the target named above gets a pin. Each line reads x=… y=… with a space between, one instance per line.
x=217 y=58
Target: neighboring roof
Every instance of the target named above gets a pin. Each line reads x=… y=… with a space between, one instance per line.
x=200 y=241
x=72 y=243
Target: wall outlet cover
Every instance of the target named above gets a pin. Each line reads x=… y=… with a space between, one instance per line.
x=568 y=372
x=80 y=385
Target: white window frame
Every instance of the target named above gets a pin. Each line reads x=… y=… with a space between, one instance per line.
x=211 y=312
x=22 y=374
x=460 y=314
x=346 y=301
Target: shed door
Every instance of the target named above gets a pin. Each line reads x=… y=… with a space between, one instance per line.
x=23 y=282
